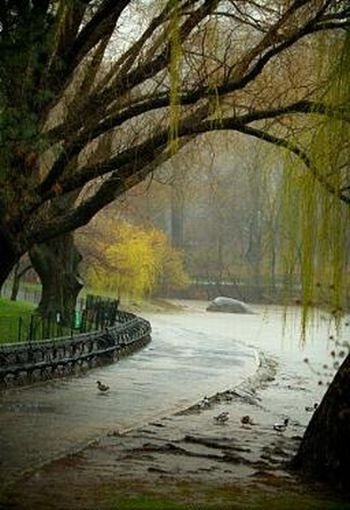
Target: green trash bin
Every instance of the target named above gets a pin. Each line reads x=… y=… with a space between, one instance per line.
x=76 y=319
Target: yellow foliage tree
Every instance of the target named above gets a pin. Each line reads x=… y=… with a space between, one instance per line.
x=135 y=262
x=170 y=268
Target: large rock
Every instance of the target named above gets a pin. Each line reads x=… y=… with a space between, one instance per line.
x=229 y=305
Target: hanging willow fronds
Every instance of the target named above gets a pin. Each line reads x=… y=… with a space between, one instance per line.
x=316 y=219
x=174 y=75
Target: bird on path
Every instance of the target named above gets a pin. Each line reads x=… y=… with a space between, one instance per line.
x=247 y=420
x=281 y=427
x=205 y=402
x=102 y=387
x=309 y=409
x=222 y=417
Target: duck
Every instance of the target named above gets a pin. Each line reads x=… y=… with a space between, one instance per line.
x=247 y=420
x=205 y=402
x=310 y=409
x=102 y=387
x=281 y=427
x=222 y=417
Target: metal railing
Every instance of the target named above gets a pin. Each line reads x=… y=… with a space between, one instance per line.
x=92 y=314
x=25 y=362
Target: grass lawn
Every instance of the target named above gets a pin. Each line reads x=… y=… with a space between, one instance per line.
x=247 y=503
x=181 y=495
x=193 y=496
x=10 y=312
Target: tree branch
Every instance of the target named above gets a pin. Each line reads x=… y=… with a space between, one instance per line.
x=185 y=128
x=103 y=21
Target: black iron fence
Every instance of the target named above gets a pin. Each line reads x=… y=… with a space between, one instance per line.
x=28 y=362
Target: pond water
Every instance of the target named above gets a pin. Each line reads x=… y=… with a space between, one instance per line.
x=193 y=353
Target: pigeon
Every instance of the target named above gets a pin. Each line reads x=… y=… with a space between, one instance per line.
x=247 y=420
x=281 y=427
x=102 y=387
x=222 y=417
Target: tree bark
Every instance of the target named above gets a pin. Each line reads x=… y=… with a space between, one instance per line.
x=324 y=453
x=56 y=263
x=15 y=283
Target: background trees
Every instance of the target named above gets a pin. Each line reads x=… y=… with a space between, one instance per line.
x=232 y=232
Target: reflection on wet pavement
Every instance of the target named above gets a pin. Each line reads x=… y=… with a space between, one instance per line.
x=192 y=354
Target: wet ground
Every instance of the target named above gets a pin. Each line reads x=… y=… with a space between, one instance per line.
x=247 y=364
x=44 y=421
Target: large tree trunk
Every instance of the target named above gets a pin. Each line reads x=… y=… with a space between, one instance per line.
x=56 y=263
x=324 y=453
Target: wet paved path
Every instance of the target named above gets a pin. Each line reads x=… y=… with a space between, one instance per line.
x=192 y=353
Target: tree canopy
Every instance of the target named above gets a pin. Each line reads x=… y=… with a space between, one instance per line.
x=95 y=94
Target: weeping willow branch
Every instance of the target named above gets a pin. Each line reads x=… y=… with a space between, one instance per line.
x=301 y=154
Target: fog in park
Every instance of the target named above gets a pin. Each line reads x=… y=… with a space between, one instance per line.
x=174 y=241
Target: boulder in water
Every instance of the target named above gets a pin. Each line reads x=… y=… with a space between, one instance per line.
x=229 y=305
